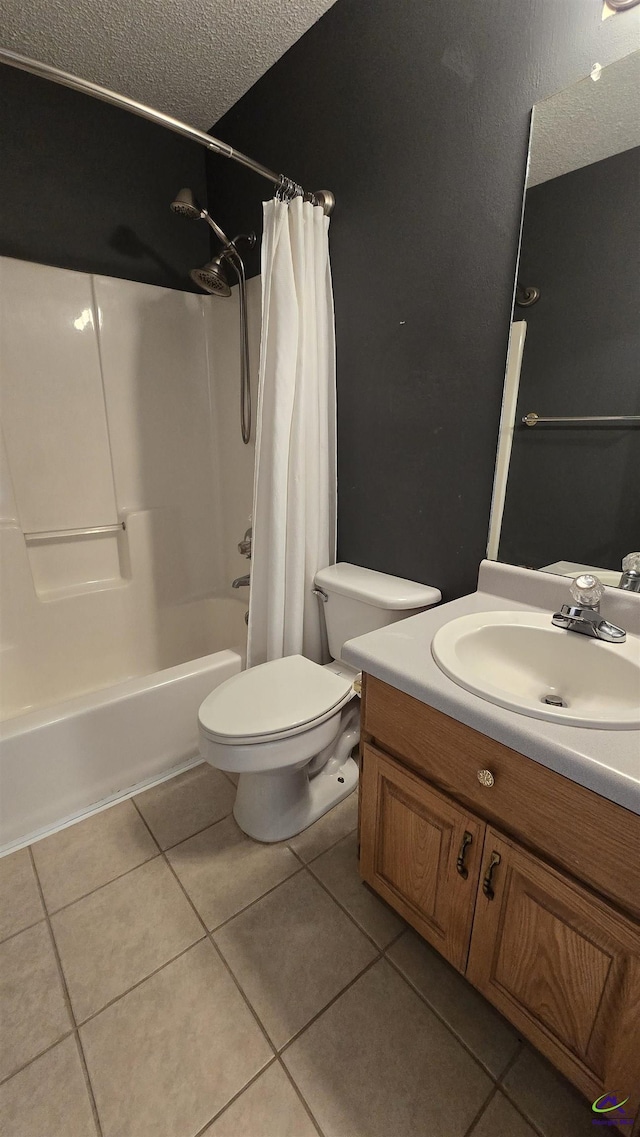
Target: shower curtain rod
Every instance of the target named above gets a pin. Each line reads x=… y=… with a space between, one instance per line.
x=323 y=198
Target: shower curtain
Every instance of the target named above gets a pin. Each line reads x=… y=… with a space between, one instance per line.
x=294 y=518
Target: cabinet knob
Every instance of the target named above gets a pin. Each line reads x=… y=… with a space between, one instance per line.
x=485 y=777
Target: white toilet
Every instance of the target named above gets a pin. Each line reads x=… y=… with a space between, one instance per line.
x=288 y=727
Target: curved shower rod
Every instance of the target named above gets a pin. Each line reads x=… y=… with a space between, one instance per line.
x=324 y=198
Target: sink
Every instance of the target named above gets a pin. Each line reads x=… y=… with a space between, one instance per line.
x=518 y=659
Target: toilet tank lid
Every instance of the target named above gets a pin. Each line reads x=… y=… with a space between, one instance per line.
x=376 y=588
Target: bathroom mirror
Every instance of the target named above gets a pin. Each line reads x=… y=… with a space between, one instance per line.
x=567 y=483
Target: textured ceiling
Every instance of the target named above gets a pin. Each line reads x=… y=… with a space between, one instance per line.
x=587 y=122
x=189 y=58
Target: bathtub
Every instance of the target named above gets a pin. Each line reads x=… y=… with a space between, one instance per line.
x=60 y=762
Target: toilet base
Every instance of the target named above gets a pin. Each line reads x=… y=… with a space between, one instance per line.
x=275 y=806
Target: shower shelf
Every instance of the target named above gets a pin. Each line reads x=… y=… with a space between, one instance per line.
x=73 y=534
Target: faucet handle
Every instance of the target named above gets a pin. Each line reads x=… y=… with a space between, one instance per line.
x=631 y=563
x=587 y=591
x=244 y=546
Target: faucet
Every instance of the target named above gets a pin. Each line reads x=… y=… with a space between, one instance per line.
x=241 y=581
x=630 y=579
x=584 y=614
x=244 y=546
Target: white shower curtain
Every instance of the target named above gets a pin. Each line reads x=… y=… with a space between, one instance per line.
x=294 y=509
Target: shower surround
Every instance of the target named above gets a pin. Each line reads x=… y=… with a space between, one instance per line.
x=119 y=413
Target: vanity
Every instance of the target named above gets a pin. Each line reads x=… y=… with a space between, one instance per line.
x=511 y=843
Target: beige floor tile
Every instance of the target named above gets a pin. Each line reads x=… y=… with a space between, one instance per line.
x=87 y=855
x=33 y=1011
x=120 y=934
x=500 y=1119
x=487 y=1034
x=338 y=871
x=339 y=821
x=20 y=903
x=378 y=1062
x=223 y=870
x=547 y=1099
x=165 y=1058
x=49 y=1098
x=269 y=1108
x=182 y=806
x=292 y=952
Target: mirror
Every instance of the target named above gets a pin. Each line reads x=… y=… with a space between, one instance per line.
x=567 y=484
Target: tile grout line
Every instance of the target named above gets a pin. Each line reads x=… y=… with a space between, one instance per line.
x=481 y=1111
x=507 y=1094
x=317 y=856
x=92 y=891
x=300 y=1095
x=27 y=928
x=346 y=912
x=41 y=1053
x=241 y=911
x=134 y=986
x=183 y=840
x=445 y=1024
x=272 y=1062
x=495 y=1090
x=393 y=942
x=327 y=1006
x=209 y=935
x=67 y=998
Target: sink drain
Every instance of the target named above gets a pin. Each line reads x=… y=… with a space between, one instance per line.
x=553 y=700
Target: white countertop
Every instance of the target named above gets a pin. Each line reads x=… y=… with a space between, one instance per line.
x=605 y=761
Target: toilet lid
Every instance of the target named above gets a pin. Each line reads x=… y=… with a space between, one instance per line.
x=275 y=698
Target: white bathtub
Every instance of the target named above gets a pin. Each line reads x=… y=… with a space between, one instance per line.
x=59 y=762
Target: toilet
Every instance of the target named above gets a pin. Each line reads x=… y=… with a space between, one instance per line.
x=288 y=727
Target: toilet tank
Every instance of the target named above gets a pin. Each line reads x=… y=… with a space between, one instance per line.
x=359 y=600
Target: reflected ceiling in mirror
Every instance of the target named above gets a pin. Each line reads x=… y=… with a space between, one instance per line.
x=567 y=483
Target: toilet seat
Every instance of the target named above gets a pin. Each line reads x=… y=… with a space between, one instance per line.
x=272 y=701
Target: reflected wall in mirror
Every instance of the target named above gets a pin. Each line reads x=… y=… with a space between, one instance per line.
x=567 y=492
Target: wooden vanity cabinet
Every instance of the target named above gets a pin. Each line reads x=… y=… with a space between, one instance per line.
x=559 y=958
x=563 y=967
x=422 y=852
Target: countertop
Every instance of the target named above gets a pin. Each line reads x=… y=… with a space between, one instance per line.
x=605 y=761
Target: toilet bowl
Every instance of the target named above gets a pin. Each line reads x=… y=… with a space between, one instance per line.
x=288 y=727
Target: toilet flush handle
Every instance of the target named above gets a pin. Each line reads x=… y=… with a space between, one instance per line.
x=320 y=593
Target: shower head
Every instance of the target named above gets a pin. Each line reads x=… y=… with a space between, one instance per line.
x=212 y=277
x=186 y=205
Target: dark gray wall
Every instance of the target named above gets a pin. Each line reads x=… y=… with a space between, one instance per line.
x=87 y=186
x=416 y=115
x=572 y=492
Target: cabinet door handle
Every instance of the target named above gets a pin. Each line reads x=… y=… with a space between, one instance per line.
x=460 y=865
x=487 y=884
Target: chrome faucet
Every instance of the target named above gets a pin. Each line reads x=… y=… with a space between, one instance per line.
x=244 y=546
x=584 y=614
x=241 y=581
x=630 y=579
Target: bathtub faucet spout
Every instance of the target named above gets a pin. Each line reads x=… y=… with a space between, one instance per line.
x=241 y=581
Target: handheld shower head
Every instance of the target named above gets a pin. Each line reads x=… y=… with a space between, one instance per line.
x=186 y=205
x=212 y=277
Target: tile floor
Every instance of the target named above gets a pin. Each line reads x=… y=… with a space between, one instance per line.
x=161 y=975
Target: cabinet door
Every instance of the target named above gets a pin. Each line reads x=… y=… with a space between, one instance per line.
x=421 y=852
x=563 y=966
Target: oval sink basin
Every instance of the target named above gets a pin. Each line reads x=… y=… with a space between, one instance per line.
x=518 y=660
